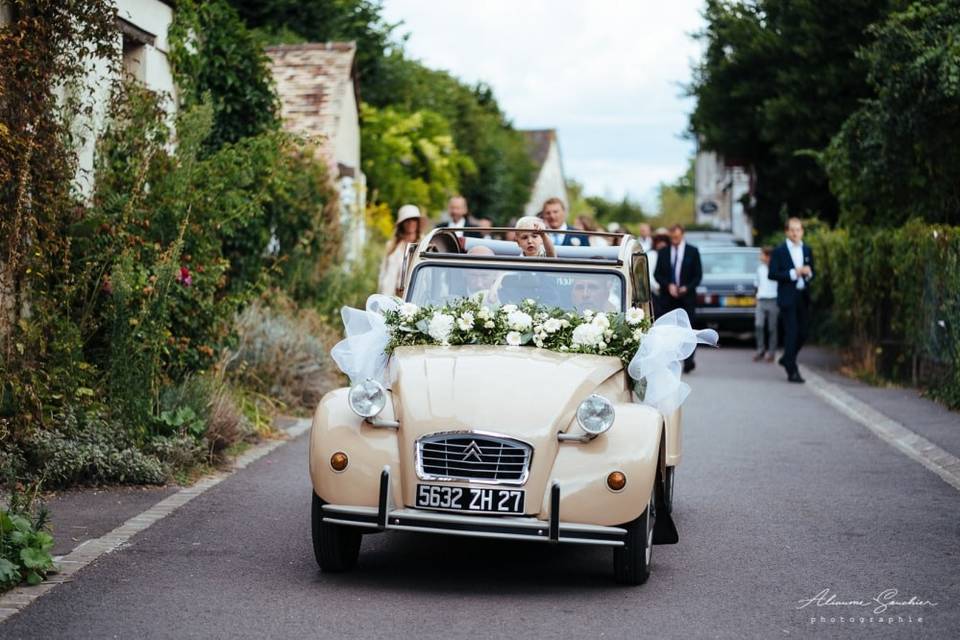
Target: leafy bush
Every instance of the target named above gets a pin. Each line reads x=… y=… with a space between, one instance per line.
x=281 y=353
x=893 y=296
x=24 y=544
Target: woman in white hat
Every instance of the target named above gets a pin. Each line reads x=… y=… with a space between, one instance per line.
x=409 y=229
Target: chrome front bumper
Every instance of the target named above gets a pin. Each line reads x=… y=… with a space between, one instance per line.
x=385 y=517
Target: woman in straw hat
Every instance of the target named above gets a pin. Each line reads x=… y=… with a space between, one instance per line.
x=409 y=229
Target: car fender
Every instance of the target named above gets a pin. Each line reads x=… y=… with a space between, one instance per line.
x=631 y=446
x=369 y=449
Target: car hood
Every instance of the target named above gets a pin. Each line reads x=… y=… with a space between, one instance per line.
x=519 y=391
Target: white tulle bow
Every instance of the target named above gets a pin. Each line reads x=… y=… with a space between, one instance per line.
x=659 y=359
x=362 y=353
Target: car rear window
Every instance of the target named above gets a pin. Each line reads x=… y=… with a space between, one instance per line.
x=730 y=263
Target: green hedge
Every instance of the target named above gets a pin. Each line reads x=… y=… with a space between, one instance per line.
x=893 y=297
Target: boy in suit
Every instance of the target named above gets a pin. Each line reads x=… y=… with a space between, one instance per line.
x=791 y=265
x=679 y=272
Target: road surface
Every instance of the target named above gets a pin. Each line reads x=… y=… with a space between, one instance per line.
x=780 y=499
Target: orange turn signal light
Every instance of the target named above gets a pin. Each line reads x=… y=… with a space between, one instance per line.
x=616 y=481
x=339 y=461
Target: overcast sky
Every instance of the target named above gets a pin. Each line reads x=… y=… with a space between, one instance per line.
x=606 y=74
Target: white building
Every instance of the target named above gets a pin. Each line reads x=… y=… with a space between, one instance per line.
x=544 y=150
x=721 y=190
x=142 y=39
x=317 y=86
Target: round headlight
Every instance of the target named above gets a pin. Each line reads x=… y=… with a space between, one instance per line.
x=367 y=398
x=595 y=415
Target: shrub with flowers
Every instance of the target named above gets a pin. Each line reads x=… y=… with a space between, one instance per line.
x=467 y=321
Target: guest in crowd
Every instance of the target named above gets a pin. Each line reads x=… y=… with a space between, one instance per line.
x=767 y=312
x=409 y=228
x=660 y=240
x=644 y=238
x=554 y=214
x=679 y=272
x=459 y=218
x=587 y=223
x=791 y=265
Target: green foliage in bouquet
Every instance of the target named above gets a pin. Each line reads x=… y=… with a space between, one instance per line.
x=467 y=321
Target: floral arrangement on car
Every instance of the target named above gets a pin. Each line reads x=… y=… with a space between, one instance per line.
x=467 y=321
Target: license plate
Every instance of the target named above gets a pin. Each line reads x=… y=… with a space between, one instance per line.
x=738 y=301
x=479 y=500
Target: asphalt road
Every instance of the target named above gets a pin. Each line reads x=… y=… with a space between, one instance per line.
x=779 y=497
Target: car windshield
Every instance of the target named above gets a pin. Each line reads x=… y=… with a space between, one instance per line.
x=729 y=263
x=438 y=284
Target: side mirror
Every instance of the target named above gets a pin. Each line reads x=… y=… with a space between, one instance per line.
x=641 y=281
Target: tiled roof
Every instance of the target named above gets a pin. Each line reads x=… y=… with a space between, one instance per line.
x=312 y=80
x=538 y=143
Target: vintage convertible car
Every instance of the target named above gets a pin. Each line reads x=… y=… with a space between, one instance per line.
x=501 y=442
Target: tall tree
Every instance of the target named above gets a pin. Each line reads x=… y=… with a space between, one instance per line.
x=898 y=155
x=777 y=81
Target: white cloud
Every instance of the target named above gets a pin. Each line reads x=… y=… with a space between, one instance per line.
x=605 y=73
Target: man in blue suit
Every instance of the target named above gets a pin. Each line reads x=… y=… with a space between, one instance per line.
x=791 y=265
x=554 y=215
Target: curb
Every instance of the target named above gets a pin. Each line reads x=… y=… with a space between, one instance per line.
x=19 y=598
x=911 y=444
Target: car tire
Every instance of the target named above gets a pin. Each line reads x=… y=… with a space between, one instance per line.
x=335 y=546
x=668 y=489
x=631 y=562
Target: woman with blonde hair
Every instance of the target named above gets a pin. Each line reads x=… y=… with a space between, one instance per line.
x=409 y=228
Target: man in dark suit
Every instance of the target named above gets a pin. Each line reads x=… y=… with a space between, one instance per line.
x=554 y=215
x=679 y=273
x=460 y=217
x=791 y=265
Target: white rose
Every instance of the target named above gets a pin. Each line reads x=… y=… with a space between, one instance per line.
x=565 y=323
x=489 y=324
x=484 y=313
x=464 y=324
x=552 y=325
x=587 y=335
x=537 y=341
x=637 y=334
x=530 y=301
x=508 y=308
x=587 y=313
x=602 y=344
x=519 y=321
x=513 y=338
x=601 y=321
x=563 y=347
x=440 y=327
x=408 y=310
x=634 y=315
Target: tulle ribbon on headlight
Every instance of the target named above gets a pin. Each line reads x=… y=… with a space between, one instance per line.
x=362 y=353
x=660 y=357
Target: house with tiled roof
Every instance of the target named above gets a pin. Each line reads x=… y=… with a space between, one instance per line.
x=550 y=182
x=319 y=100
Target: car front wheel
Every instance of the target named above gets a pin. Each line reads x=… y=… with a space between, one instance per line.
x=336 y=547
x=631 y=562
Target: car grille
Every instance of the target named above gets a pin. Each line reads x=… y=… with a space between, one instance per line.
x=473 y=457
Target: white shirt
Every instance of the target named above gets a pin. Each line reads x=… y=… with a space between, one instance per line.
x=796 y=254
x=458 y=225
x=676 y=260
x=766 y=288
x=646 y=244
x=557 y=238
